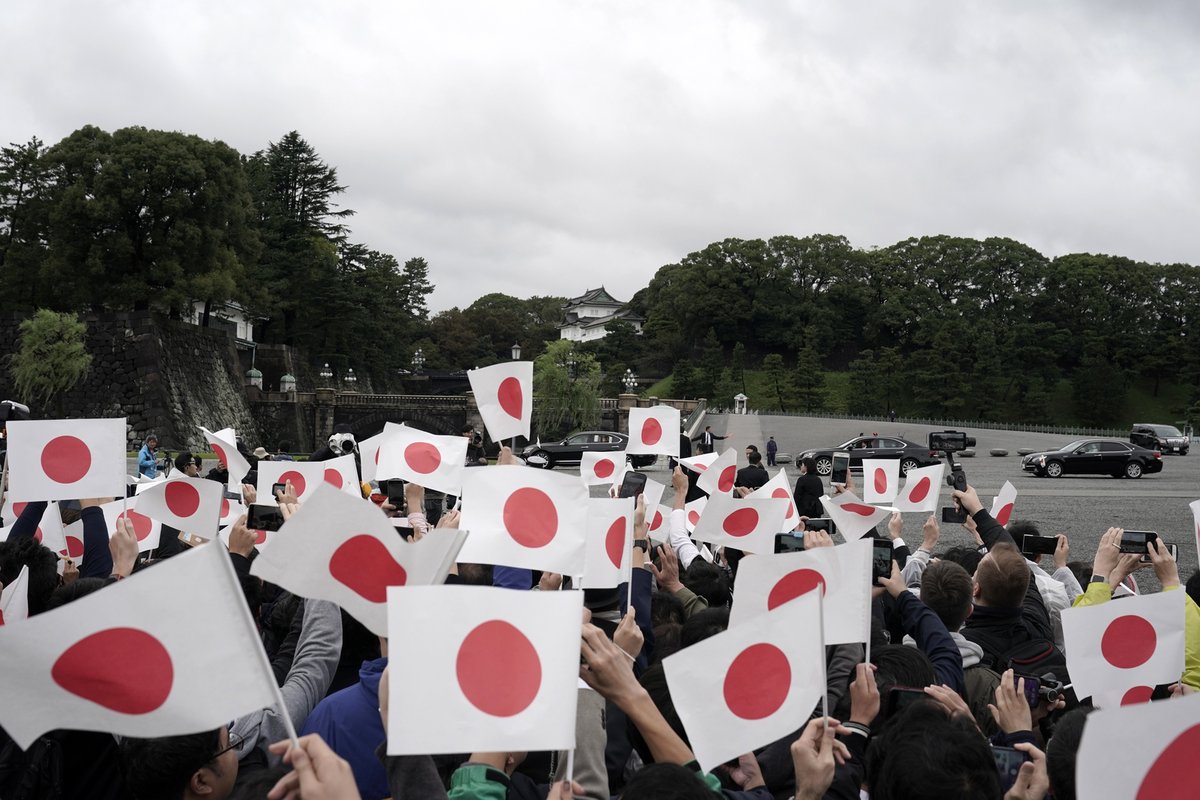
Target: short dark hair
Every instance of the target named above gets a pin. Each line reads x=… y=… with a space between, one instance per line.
x=754 y=457
x=183 y=459
x=665 y=607
x=901 y=665
x=157 y=769
x=946 y=588
x=1018 y=529
x=702 y=625
x=707 y=580
x=1003 y=577
x=665 y=782
x=43 y=569
x=468 y=428
x=1062 y=749
x=966 y=557
x=810 y=465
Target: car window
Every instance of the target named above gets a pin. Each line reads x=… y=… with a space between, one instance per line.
x=606 y=438
x=1090 y=447
x=579 y=438
x=1113 y=447
x=890 y=444
x=1075 y=445
x=1166 y=430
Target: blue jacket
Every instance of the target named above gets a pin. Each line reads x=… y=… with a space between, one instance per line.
x=147 y=463
x=349 y=722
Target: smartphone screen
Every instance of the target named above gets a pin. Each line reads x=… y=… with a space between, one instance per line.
x=277 y=489
x=1136 y=541
x=881 y=560
x=953 y=514
x=394 y=491
x=841 y=468
x=1038 y=545
x=1032 y=687
x=819 y=524
x=1008 y=764
x=264 y=518
x=632 y=485
x=789 y=543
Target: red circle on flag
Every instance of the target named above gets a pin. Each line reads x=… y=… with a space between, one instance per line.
x=498 y=669
x=66 y=459
x=530 y=517
x=658 y=520
x=1004 y=514
x=881 y=481
x=603 y=468
x=333 y=477
x=259 y=537
x=920 y=491
x=701 y=467
x=614 y=542
x=1138 y=694
x=422 y=457
x=74 y=546
x=122 y=669
x=741 y=522
x=859 y=508
x=220 y=451
x=364 y=564
x=651 y=431
x=142 y=525
x=1128 y=642
x=182 y=498
x=18 y=508
x=224 y=507
x=298 y=482
x=782 y=494
x=794 y=584
x=1172 y=775
x=758 y=681
x=693 y=517
x=725 y=482
x=510 y=396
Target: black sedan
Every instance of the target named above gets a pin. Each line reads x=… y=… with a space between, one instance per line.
x=1094 y=457
x=911 y=454
x=571 y=449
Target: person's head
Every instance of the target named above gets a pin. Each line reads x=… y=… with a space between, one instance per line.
x=1001 y=578
x=188 y=464
x=947 y=589
x=70 y=592
x=1062 y=749
x=1018 y=529
x=708 y=427
x=923 y=752
x=43 y=570
x=665 y=607
x=665 y=782
x=901 y=665
x=754 y=457
x=808 y=466
x=702 y=625
x=152 y=442
x=467 y=430
x=965 y=557
x=198 y=765
x=708 y=581
x=772 y=438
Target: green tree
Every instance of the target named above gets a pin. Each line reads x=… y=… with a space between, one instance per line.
x=566 y=397
x=51 y=358
x=780 y=384
x=809 y=379
x=23 y=185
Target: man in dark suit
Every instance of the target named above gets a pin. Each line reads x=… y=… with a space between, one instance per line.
x=754 y=475
x=707 y=440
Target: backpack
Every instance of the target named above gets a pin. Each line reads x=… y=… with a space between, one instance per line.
x=1038 y=657
x=33 y=774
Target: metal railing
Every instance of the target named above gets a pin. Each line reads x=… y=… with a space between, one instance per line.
x=1024 y=427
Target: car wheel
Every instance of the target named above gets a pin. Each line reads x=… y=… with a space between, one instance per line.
x=1133 y=469
x=546 y=461
x=1054 y=469
x=907 y=464
x=824 y=465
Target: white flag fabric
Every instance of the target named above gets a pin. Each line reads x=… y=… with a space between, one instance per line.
x=1195 y=506
x=747 y=524
x=693 y=511
x=504 y=395
x=720 y=475
x=751 y=684
x=262 y=539
x=148 y=531
x=525 y=517
x=779 y=488
x=125 y=662
x=368 y=451
x=498 y=669
x=921 y=489
x=1146 y=751
x=609 y=554
x=841 y=573
x=307 y=477
x=652 y=494
x=852 y=516
x=49 y=531
x=65 y=459
x=346 y=551
x=426 y=459
x=601 y=469
x=881 y=479
x=1002 y=505
x=658 y=524
x=224 y=444
x=230 y=511
x=74 y=534
x=189 y=504
x=1118 y=651
x=700 y=463
x=654 y=430
x=14 y=599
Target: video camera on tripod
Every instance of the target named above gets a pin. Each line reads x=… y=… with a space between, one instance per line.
x=949 y=443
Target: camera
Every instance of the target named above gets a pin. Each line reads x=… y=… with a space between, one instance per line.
x=950 y=441
x=343 y=443
x=11 y=409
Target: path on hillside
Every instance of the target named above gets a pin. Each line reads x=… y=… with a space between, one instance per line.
x=741 y=430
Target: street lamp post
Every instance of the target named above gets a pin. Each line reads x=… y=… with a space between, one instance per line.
x=326 y=373
x=418 y=361
x=630 y=381
x=351 y=378
x=516 y=352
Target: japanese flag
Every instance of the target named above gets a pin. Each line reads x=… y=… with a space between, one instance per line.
x=701 y=462
x=346 y=551
x=148 y=531
x=498 y=670
x=747 y=524
x=12 y=509
x=368 y=451
x=504 y=395
x=524 y=517
x=693 y=511
x=14 y=599
x=652 y=493
x=74 y=534
x=720 y=475
x=224 y=444
x=261 y=538
x=881 y=479
x=1147 y=751
x=426 y=459
x=600 y=469
x=124 y=662
x=841 y=573
x=49 y=531
x=189 y=504
x=1195 y=506
x=751 y=684
x=307 y=477
x=58 y=459
x=778 y=488
x=920 y=490
x=230 y=511
x=1002 y=506
x=609 y=554
x=852 y=516
x=654 y=430
x=658 y=524
x=1118 y=651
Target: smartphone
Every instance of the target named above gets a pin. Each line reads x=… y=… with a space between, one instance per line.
x=1137 y=541
x=900 y=698
x=1038 y=545
x=633 y=484
x=954 y=514
x=394 y=489
x=819 y=524
x=264 y=518
x=789 y=542
x=841 y=468
x=1008 y=764
x=1172 y=549
x=881 y=560
x=277 y=489
x=1033 y=688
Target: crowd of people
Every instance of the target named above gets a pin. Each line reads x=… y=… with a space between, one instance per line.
x=953 y=632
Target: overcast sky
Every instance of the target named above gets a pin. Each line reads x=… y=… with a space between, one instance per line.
x=548 y=147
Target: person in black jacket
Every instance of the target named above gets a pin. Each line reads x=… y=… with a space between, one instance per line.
x=808 y=491
x=754 y=475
